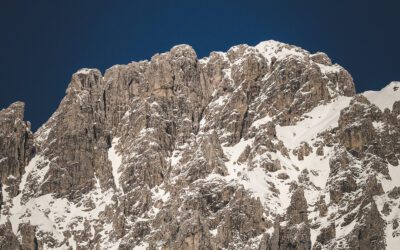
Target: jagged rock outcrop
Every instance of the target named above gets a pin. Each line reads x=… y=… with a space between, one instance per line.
x=296 y=232
x=8 y=240
x=74 y=162
x=259 y=147
x=16 y=148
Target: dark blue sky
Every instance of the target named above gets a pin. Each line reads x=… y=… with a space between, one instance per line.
x=42 y=45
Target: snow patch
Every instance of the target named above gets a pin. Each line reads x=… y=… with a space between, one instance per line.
x=160 y=194
x=325 y=69
x=280 y=51
x=53 y=215
x=116 y=161
x=3 y=159
x=379 y=126
x=394 y=172
x=256 y=180
x=214 y=232
x=319 y=119
x=261 y=121
x=385 y=97
x=142 y=246
x=84 y=71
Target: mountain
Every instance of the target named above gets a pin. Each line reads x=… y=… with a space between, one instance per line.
x=264 y=147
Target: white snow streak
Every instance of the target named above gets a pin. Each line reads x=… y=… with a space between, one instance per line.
x=116 y=161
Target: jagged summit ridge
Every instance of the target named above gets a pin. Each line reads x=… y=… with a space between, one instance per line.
x=259 y=147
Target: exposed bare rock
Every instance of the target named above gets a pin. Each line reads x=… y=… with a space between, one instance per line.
x=296 y=233
x=303 y=150
x=8 y=240
x=29 y=240
x=394 y=193
x=16 y=146
x=327 y=234
x=369 y=234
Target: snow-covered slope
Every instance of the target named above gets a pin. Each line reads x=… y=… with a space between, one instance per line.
x=385 y=97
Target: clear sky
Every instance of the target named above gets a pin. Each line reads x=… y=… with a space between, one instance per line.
x=43 y=43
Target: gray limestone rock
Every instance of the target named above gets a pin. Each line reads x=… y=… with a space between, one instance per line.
x=230 y=151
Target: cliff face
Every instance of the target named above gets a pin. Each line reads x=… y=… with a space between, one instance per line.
x=264 y=147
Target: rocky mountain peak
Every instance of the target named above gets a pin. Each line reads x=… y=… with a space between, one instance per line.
x=183 y=50
x=259 y=147
x=15 y=110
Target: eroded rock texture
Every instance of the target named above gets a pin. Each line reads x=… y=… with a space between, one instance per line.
x=263 y=147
